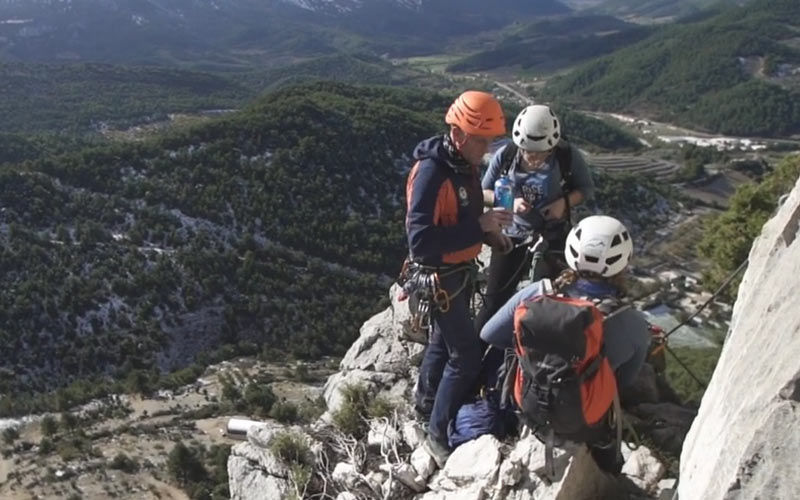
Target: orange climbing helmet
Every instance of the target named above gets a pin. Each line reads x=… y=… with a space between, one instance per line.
x=477 y=113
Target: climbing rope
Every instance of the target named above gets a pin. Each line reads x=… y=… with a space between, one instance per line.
x=660 y=338
x=713 y=296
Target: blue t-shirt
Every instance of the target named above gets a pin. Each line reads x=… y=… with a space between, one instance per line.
x=539 y=188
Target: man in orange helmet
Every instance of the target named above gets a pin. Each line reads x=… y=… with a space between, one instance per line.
x=446 y=227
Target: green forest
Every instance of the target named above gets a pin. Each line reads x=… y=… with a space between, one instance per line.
x=694 y=73
x=553 y=44
x=274 y=225
x=728 y=237
x=278 y=227
x=75 y=99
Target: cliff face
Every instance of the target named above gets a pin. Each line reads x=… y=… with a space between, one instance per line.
x=745 y=440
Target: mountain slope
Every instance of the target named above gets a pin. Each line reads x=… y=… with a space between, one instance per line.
x=274 y=228
x=80 y=97
x=554 y=43
x=256 y=228
x=691 y=71
x=658 y=10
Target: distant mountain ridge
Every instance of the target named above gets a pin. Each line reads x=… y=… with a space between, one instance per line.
x=230 y=32
x=650 y=10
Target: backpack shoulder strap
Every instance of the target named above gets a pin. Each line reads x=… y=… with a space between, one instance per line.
x=564 y=157
x=610 y=307
x=507 y=157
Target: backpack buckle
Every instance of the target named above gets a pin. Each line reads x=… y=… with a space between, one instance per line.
x=544 y=398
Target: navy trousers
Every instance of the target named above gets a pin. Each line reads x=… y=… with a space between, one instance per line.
x=451 y=363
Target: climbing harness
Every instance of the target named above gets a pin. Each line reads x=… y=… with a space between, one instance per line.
x=421 y=285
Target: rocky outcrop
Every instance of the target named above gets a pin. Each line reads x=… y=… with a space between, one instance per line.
x=745 y=440
x=257 y=471
x=383 y=358
x=393 y=465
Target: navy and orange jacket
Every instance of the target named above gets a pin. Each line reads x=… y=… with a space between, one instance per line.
x=443 y=207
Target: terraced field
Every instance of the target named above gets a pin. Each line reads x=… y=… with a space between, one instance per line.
x=637 y=165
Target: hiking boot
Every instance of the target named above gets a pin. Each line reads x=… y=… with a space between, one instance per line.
x=422 y=419
x=439 y=452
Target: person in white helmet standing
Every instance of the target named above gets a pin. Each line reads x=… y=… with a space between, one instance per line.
x=598 y=250
x=549 y=176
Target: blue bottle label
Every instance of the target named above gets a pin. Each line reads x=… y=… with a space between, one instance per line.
x=504 y=193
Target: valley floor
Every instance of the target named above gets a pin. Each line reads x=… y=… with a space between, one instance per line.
x=145 y=430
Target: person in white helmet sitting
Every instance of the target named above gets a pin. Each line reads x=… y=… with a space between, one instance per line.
x=549 y=176
x=598 y=250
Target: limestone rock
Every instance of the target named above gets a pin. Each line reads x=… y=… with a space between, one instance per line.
x=380 y=359
x=474 y=462
x=251 y=482
x=254 y=470
x=520 y=494
x=423 y=463
x=378 y=347
x=472 y=492
x=644 y=469
x=745 y=440
x=413 y=434
x=407 y=475
x=346 y=475
x=260 y=436
x=373 y=381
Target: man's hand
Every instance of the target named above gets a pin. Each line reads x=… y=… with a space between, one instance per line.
x=492 y=221
x=521 y=206
x=499 y=242
x=555 y=210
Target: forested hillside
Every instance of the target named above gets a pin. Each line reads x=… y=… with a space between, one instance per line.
x=730 y=73
x=271 y=226
x=552 y=44
x=76 y=98
x=274 y=228
x=729 y=236
x=659 y=10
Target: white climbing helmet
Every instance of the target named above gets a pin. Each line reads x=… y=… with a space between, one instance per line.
x=599 y=244
x=536 y=128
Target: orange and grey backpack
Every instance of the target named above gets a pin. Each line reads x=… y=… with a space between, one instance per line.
x=563 y=385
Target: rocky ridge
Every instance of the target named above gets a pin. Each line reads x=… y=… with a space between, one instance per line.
x=744 y=443
x=384 y=360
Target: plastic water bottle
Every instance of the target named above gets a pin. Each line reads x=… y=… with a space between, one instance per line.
x=504 y=193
